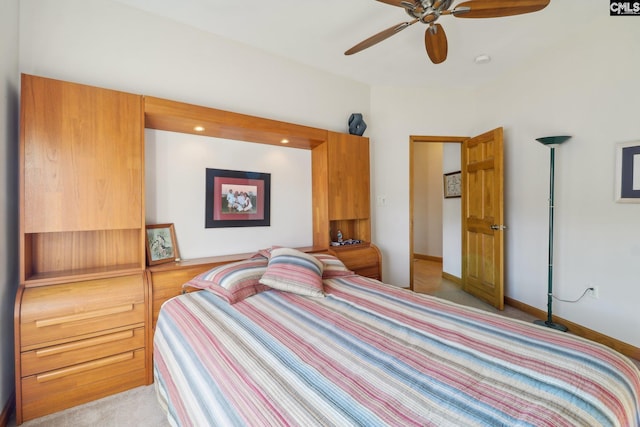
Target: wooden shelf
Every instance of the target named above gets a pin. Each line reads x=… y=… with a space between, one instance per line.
x=79 y=275
x=55 y=257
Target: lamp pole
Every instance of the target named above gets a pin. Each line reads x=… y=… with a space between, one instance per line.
x=552 y=142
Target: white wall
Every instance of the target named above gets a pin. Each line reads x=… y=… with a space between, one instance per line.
x=452 y=216
x=9 y=95
x=175 y=187
x=585 y=87
x=427 y=199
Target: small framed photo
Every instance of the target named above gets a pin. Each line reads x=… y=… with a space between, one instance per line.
x=161 y=244
x=628 y=172
x=452 y=184
x=237 y=199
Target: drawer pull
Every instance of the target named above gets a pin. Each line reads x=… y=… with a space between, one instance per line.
x=45 y=352
x=94 y=364
x=84 y=316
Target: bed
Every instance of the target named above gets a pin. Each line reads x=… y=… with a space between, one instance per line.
x=304 y=342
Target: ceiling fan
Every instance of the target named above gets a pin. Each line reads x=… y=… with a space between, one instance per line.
x=428 y=12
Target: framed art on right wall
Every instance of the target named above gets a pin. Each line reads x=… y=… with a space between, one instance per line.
x=628 y=172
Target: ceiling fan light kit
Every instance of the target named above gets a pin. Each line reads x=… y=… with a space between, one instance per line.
x=429 y=11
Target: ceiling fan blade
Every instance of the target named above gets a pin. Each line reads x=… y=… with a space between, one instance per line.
x=377 y=38
x=497 y=8
x=435 y=40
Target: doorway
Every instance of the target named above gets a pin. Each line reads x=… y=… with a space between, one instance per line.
x=481 y=187
x=441 y=237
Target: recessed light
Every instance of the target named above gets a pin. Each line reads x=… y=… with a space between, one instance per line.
x=482 y=59
x=199 y=129
x=284 y=141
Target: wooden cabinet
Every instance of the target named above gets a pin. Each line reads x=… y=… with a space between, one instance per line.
x=348 y=176
x=78 y=342
x=81 y=311
x=341 y=181
x=81 y=187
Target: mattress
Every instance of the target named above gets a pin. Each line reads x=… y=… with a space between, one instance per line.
x=371 y=354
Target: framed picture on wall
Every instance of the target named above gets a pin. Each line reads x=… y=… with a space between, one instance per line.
x=237 y=199
x=161 y=244
x=628 y=172
x=452 y=184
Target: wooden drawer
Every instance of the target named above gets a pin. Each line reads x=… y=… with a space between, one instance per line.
x=81 y=351
x=63 y=388
x=361 y=259
x=59 y=313
x=371 y=271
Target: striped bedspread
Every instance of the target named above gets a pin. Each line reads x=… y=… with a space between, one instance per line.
x=370 y=354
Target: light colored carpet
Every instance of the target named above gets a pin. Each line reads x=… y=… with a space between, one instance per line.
x=453 y=292
x=137 y=407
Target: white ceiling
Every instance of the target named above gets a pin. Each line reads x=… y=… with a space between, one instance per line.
x=317 y=32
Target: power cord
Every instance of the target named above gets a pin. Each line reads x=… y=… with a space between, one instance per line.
x=574 y=301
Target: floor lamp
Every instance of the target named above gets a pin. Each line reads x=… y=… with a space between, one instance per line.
x=552 y=142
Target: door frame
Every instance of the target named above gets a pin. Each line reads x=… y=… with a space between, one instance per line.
x=415 y=139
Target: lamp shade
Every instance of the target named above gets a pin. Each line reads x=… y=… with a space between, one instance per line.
x=552 y=141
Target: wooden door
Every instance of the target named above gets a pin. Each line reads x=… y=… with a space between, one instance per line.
x=482 y=211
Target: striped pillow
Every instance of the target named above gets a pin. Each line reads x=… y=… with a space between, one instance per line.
x=332 y=266
x=293 y=271
x=233 y=282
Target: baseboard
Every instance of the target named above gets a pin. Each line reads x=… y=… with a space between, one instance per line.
x=620 y=346
x=452 y=278
x=7 y=410
x=428 y=257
